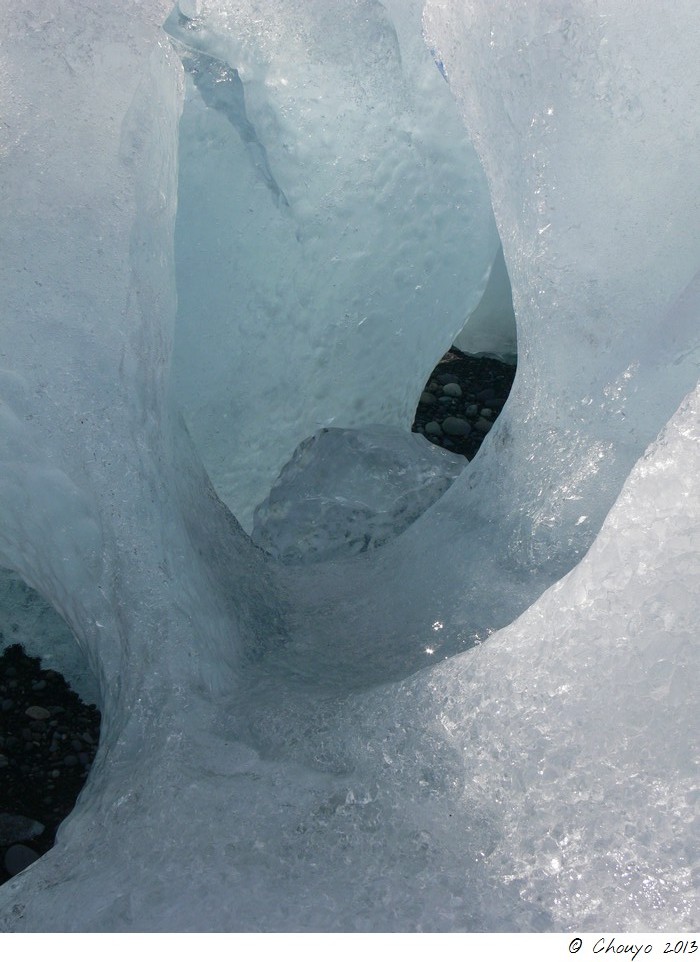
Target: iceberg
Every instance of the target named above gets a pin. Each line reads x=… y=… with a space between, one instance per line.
x=230 y=226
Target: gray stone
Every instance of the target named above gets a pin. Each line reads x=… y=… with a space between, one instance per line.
x=488 y=394
x=38 y=713
x=427 y=398
x=17 y=828
x=487 y=413
x=452 y=389
x=483 y=425
x=19 y=857
x=471 y=410
x=457 y=427
x=432 y=427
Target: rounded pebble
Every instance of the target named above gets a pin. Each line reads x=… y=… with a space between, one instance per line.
x=427 y=398
x=38 y=713
x=19 y=857
x=17 y=828
x=452 y=389
x=457 y=427
x=488 y=394
x=432 y=427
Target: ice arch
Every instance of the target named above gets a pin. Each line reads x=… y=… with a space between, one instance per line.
x=253 y=772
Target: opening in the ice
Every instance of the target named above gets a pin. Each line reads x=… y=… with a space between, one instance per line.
x=462 y=400
x=468 y=388
x=49 y=724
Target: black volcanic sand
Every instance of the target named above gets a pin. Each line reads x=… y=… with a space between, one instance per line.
x=45 y=760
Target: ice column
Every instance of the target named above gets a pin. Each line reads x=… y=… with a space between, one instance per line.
x=95 y=492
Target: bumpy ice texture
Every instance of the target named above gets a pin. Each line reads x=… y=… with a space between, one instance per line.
x=266 y=732
x=313 y=138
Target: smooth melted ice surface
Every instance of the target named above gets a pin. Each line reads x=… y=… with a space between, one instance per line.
x=266 y=760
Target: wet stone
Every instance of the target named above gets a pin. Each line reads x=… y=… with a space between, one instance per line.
x=19 y=857
x=37 y=712
x=17 y=828
x=456 y=427
x=452 y=389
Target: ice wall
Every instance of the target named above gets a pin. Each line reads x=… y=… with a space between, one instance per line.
x=266 y=760
x=27 y=620
x=491 y=327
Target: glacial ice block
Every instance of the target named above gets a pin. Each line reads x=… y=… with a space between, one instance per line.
x=267 y=733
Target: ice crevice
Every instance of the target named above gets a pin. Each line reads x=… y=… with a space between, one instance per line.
x=332 y=746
